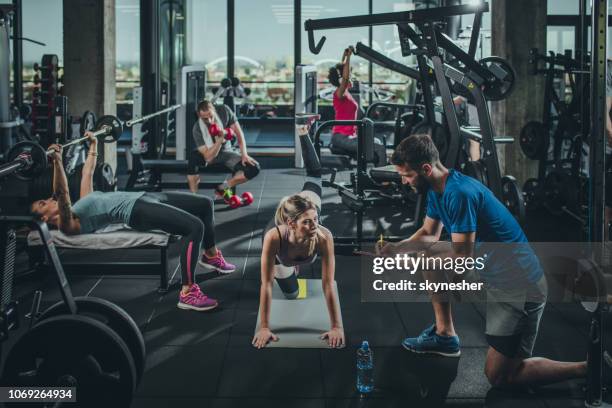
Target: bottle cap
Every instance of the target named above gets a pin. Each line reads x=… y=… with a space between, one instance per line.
x=365 y=345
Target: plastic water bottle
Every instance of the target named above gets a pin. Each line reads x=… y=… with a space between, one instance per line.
x=365 y=368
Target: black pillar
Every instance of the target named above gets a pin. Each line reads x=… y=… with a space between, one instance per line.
x=597 y=147
x=231 y=31
x=17 y=54
x=149 y=66
x=297 y=31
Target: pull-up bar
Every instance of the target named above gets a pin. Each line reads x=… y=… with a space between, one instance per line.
x=432 y=14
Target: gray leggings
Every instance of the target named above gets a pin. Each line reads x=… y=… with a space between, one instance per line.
x=350 y=144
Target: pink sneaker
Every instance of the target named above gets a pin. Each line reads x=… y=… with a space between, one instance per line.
x=196 y=300
x=217 y=263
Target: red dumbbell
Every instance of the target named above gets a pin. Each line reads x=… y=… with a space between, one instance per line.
x=247 y=198
x=229 y=134
x=213 y=129
x=235 y=202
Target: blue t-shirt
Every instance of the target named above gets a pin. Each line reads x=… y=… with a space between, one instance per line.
x=97 y=209
x=466 y=205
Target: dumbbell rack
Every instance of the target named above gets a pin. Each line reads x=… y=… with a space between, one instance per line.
x=46 y=88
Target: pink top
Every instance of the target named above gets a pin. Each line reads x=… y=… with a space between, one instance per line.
x=346 y=109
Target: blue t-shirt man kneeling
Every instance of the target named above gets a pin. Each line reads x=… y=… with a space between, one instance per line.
x=478 y=223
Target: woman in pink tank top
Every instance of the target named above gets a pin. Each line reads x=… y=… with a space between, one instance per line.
x=345 y=108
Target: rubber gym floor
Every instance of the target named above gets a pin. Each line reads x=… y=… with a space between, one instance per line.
x=206 y=360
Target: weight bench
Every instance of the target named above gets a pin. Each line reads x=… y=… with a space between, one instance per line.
x=338 y=159
x=157 y=167
x=385 y=174
x=114 y=237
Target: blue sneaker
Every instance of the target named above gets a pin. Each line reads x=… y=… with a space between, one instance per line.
x=430 y=342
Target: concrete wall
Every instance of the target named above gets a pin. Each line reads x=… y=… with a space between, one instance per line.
x=89 y=60
x=517 y=26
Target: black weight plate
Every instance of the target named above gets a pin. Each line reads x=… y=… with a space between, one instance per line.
x=87 y=123
x=512 y=198
x=534 y=140
x=39 y=159
x=560 y=191
x=531 y=193
x=501 y=82
x=75 y=351
x=409 y=120
x=114 y=124
x=112 y=316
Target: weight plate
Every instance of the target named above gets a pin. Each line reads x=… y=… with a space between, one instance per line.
x=112 y=316
x=512 y=198
x=73 y=351
x=36 y=152
x=409 y=120
x=115 y=126
x=501 y=82
x=88 y=122
x=531 y=193
x=534 y=140
x=560 y=191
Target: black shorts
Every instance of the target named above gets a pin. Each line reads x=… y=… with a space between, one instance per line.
x=228 y=158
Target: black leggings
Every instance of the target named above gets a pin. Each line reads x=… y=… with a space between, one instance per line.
x=350 y=144
x=189 y=215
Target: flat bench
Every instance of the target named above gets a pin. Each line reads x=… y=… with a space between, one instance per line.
x=115 y=237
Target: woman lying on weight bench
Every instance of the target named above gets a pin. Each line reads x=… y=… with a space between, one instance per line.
x=184 y=214
x=293 y=238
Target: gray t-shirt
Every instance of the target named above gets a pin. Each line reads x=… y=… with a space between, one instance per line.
x=609 y=78
x=227 y=118
x=97 y=210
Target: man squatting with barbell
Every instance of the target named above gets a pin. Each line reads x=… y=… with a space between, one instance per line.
x=190 y=216
x=212 y=134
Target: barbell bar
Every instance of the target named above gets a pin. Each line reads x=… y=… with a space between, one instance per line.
x=132 y=122
x=27 y=159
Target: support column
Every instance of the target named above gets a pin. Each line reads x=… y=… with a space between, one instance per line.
x=517 y=26
x=90 y=61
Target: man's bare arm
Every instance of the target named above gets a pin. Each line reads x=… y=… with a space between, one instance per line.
x=209 y=153
x=239 y=137
x=423 y=238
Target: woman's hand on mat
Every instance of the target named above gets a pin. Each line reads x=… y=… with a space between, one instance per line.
x=262 y=337
x=335 y=337
x=246 y=159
